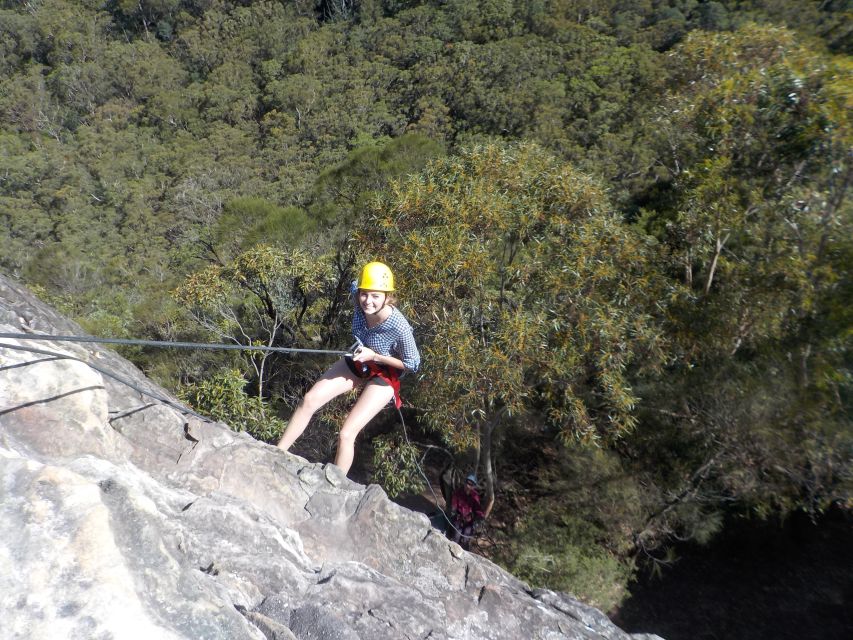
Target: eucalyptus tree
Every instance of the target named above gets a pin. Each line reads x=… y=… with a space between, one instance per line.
x=756 y=226
x=531 y=298
x=264 y=295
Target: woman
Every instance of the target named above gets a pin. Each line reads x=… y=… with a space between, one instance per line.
x=387 y=350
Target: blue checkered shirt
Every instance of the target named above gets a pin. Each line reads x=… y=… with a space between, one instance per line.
x=393 y=337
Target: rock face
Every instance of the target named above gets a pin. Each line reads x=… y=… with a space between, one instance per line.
x=124 y=516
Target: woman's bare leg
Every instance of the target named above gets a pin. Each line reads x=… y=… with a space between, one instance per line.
x=370 y=402
x=338 y=379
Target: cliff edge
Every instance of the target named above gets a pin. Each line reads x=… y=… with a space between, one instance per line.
x=123 y=515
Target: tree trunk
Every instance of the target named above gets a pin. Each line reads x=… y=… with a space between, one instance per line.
x=485 y=454
x=717 y=252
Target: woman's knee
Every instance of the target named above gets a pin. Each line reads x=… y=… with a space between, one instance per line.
x=307 y=407
x=347 y=437
x=313 y=399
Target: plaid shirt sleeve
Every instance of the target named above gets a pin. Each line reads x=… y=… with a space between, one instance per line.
x=406 y=349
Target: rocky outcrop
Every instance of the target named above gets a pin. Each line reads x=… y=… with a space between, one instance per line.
x=124 y=516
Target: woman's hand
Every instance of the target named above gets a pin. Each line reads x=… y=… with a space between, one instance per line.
x=364 y=354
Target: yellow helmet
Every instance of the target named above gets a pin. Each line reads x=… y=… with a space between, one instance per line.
x=376 y=276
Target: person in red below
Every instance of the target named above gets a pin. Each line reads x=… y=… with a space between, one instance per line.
x=465 y=512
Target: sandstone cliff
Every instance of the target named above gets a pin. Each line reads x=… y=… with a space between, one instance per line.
x=122 y=516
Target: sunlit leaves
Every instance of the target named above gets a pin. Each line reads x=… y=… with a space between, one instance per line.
x=755 y=225
x=530 y=291
x=261 y=285
x=205 y=289
x=396 y=465
x=223 y=397
x=764 y=147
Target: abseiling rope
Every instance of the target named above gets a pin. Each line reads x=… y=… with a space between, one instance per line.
x=146 y=343
x=62 y=356
x=168 y=344
x=447 y=518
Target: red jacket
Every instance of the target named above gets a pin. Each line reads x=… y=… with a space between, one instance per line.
x=467 y=505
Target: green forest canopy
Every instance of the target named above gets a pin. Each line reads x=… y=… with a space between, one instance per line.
x=621 y=228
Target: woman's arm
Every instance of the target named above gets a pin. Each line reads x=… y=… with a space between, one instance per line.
x=366 y=354
x=410 y=357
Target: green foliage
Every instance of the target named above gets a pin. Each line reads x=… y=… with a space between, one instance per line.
x=343 y=193
x=753 y=228
x=395 y=465
x=574 y=514
x=223 y=398
x=278 y=293
x=248 y=221
x=830 y=21
x=534 y=292
x=562 y=553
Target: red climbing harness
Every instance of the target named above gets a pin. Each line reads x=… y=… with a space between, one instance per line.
x=390 y=376
x=370 y=370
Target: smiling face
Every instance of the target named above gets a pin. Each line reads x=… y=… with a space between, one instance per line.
x=371 y=301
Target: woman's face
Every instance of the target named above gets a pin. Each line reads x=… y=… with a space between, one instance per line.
x=371 y=301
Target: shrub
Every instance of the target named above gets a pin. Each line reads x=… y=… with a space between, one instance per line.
x=223 y=397
x=564 y=554
x=395 y=465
